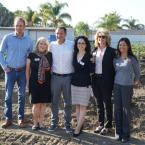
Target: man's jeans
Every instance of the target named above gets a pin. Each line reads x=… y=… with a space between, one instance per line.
x=10 y=78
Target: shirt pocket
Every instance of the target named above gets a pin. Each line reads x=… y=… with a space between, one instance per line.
x=11 y=45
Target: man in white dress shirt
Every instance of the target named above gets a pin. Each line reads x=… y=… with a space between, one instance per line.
x=62 y=53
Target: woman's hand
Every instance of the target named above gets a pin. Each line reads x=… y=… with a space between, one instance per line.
x=27 y=84
x=27 y=73
x=136 y=84
x=93 y=59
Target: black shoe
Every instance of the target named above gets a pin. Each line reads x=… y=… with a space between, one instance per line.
x=82 y=129
x=52 y=128
x=68 y=129
x=98 y=129
x=118 y=138
x=77 y=134
x=104 y=131
x=125 y=140
x=35 y=127
x=42 y=128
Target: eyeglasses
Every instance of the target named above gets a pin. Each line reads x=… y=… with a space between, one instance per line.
x=103 y=37
x=79 y=43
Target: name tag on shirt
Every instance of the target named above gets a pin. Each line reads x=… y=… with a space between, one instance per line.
x=37 y=59
x=82 y=63
x=124 y=63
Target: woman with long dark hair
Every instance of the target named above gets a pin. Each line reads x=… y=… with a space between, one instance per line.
x=81 y=80
x=127 y=75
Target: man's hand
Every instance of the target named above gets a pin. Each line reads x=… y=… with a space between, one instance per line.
x=27 y=84
x=7 y=70
x=136 y=84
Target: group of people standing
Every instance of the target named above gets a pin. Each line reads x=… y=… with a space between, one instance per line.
x=70 y=69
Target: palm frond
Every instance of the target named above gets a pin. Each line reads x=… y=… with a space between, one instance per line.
x=65 y=16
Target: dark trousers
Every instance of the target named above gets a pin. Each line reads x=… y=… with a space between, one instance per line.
x=122 y=103
x=103 y=96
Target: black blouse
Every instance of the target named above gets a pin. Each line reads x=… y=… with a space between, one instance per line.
x=35 y=59
x=81 y=76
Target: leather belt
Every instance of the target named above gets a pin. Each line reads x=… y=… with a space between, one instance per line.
x=17 y=69
x=62 y=75
x=98 y=75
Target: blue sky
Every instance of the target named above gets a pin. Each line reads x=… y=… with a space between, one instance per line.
x=88 y=10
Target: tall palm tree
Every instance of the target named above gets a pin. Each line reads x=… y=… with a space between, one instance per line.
x=31 y=17
x=110 y=21
x=36 y=19
x=19 y=13
x=52 y=13
x=6 y=17
x=28 y=16
x=133 y=24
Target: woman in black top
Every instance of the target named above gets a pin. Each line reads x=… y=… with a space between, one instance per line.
x=81 y=79
x=38 y=74
x=103 y=80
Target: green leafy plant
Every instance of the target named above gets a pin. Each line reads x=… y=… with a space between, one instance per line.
x=139 y=50
x=82 y=28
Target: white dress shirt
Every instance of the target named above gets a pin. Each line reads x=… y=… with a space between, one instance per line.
x=99 y=58
x=62 y=55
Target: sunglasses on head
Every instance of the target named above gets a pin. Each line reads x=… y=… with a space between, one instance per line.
x=103 y=37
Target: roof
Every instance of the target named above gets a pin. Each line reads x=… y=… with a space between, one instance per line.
x=128 y=32
x=33 y=28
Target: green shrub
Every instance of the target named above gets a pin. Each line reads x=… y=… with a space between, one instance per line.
x=139 y=50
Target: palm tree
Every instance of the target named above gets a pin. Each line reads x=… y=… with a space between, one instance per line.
x=52 y=13
x=19 y=13
x=110 y=21
x=30 y=16
x=36 y=19
x=133 y=24
x=82 y=28
x=6 y=17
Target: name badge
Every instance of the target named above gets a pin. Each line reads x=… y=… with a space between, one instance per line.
x=82 y=63
x=37 y=59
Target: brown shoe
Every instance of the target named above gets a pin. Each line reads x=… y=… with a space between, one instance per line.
x=21 y=123
x=7 y=124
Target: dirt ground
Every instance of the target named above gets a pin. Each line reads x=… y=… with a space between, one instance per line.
x=16 y=136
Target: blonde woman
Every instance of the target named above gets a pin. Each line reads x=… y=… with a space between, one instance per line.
x=38 y=75
x=103 y=79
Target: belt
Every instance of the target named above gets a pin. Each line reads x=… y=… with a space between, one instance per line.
x=62 y=75
x=98 y=75
x=17 y=69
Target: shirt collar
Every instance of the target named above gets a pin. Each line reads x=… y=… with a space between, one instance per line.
x=102 y=49
x=65 y=42
x=15 y=35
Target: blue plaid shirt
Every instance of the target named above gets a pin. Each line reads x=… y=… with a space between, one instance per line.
x=14 y=50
